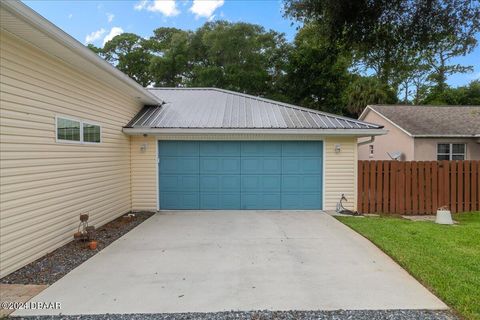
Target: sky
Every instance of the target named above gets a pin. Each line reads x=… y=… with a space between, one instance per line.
x=96 y=22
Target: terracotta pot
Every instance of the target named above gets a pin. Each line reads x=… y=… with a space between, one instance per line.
x=92 y=245
x=77 y=235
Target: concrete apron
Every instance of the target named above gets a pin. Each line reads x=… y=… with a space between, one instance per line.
x=208 y=261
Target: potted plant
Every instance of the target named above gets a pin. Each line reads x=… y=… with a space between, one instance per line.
x=92 y=245
x=444 y=216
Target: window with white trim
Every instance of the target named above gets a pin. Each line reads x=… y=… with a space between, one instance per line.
x=451 y=151
x=73 y=130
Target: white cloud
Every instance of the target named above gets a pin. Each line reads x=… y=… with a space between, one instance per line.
x=70 y=16
x=110 y=16
x=166 y=7
x=114 y=32
x=141 y=5
x=205 y=8
x=95 y=35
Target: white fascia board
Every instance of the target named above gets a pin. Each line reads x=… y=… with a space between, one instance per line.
x=326 y=132
x=364 y=113
x=36 y=21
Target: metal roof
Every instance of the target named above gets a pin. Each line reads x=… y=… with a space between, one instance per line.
x=440 y=121
x=223 y=109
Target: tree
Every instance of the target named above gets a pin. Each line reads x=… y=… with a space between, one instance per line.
x=317 y=74
x=465 y=95
x=367 y=90
x=130 y=54
x=237 y=56
x=171 y=61
x=452 y=33
x=382 y=33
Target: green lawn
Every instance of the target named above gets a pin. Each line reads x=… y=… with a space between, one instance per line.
x=446 y=259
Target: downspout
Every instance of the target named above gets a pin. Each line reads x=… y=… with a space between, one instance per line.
x=372 y=139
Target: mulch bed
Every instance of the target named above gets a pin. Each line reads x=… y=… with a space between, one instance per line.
x=53 y=266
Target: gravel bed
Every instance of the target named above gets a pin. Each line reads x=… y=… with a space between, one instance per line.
x=274 y=315
x=53 y=266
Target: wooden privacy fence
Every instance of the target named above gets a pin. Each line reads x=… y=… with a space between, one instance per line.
x=418 y=187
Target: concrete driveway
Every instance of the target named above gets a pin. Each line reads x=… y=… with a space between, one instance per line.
x=205 y=261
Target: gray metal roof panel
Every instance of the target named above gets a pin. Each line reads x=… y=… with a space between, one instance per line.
x=218 y=108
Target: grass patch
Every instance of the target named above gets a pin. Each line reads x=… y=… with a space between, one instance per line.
x=446 y=259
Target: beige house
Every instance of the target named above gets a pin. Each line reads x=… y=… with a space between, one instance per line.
x=78 y=136
x=423 y=133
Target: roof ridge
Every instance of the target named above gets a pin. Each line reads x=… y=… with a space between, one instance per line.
x=284 y=104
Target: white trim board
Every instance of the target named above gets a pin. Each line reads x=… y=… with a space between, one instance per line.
x=321 y=132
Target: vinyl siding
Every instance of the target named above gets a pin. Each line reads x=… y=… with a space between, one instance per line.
x=340 y=168
x=340 y=172
x=144 y=173
x=45 y=185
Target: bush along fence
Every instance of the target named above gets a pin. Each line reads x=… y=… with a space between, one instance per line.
x=418 y=187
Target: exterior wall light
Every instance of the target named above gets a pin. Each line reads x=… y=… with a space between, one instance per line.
x=338 y=148
x=143 y=148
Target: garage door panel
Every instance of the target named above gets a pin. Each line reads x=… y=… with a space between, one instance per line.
x=178 y=148
x=261 y=183
x=304 y=183
x=294 y=201
x=261 y=165
x=225 y=183
x=179 y=183
x=219 y=165
x=179 y=165
x=301 y=165
x=262 y=148
x=263 y=201
x=179 y=200
x=240 y=175
x=220 y=149
x=304 y=148
x=221 y=200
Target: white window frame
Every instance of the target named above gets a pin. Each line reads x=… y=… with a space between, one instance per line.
x=81 y=130
x=451 y=154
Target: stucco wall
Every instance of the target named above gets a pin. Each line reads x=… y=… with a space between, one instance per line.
x=426 y=148
x=45 y=185
x=340 y=168
x=394 y=140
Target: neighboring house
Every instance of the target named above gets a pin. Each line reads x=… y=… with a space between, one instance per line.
x=423 y=133
x=77 y=136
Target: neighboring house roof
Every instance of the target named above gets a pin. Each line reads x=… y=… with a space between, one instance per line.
x=202 y=108
x=431 y=121
x=21 y=21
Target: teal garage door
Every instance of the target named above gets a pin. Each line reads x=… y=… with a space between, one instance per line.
x=240 y=174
